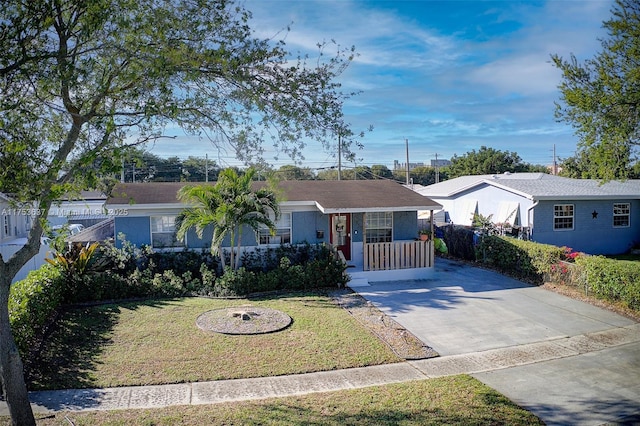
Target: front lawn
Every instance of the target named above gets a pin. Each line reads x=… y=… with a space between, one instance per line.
x=158 y=342
x=458 y=400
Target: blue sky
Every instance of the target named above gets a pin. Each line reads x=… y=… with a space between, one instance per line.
x=449 y=76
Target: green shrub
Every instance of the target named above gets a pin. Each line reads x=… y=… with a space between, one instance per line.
x=459 y=241
x=33 y=303
x=321 y=269
x=234 y=283
x=144 y=272
x=525 y=260
x=610 y=279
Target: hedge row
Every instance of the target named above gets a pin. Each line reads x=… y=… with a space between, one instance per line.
x=610 y=279
x=525 y=260
x=33 y=305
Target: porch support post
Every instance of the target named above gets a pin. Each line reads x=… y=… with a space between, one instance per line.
x=432 y=243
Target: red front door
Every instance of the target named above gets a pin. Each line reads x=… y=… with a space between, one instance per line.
x=341 y=233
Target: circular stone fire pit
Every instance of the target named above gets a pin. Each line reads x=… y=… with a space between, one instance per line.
x=243 y=320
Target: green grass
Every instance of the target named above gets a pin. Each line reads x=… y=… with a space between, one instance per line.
x=157 y=342
x=458 y=400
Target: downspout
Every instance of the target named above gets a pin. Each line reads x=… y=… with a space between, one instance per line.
x=529 y=218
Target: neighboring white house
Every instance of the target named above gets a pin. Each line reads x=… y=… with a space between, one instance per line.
x=14 y=229
x=87 y=209
x=586 y=215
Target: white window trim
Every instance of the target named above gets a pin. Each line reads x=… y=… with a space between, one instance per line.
x=573 y=217
x=366 y=229
x=151 y=233
x=273 y=240
x=6 y=226
x=627 y=215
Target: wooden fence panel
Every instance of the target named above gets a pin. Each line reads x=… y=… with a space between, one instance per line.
x=398 y=255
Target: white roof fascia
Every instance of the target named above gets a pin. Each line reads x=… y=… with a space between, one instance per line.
x=509 y=189
x=137 y=210
x=479 y=181
x=585 y=197
x=297 y=203
x=376 y=209
x=151 y=206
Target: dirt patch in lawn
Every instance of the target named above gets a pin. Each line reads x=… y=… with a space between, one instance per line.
x=403 y=343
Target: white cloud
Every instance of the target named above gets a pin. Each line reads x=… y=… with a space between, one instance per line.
x=447 y=86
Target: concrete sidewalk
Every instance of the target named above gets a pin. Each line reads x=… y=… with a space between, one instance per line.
x=283 y=386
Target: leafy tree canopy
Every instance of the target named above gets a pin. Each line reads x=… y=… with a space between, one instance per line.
x=81 y=80
x=291 y=172
x=381 y=171
x=486 y=161
x=423 y=175
x=601 y=97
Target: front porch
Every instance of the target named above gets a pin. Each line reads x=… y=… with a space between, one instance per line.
x=398 y=260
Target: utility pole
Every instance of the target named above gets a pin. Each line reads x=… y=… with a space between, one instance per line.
x=339 y=157
x=206 y=167
x=406 y=144
x=437 y=169
x=555 y=164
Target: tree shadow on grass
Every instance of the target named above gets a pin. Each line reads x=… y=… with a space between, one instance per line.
x=74 y=344
x=314 y=298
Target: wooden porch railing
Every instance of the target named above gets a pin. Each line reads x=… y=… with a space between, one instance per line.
x=398 y=255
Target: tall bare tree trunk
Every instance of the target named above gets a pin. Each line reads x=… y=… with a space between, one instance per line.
x=11 y=369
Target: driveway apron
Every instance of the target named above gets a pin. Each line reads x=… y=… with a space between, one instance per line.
x=468 y=310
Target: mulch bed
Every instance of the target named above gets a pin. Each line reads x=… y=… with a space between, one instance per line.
x=244 y=319
x=401 y=341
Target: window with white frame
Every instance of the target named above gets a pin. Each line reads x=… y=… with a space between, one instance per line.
x=283 y=232
x=621 y=214
x=563 y=217
x=163 y=232
x=378 y=227
x=7 y=225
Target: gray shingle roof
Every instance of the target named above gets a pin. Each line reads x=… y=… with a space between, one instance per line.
x=539 y=186
x=330 y=196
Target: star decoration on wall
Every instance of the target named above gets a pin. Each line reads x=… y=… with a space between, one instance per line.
x=594 y=214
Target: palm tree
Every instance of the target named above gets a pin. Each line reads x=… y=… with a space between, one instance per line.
x=229 y=206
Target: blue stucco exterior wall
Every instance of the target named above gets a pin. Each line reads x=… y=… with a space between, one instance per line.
x=136 y=230
x=205 y=242
x=589 y=235
x=305 y=224
x=405 y=225
x=304 y=228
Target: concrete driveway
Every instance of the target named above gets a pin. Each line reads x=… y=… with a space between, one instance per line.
x=591 y=374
